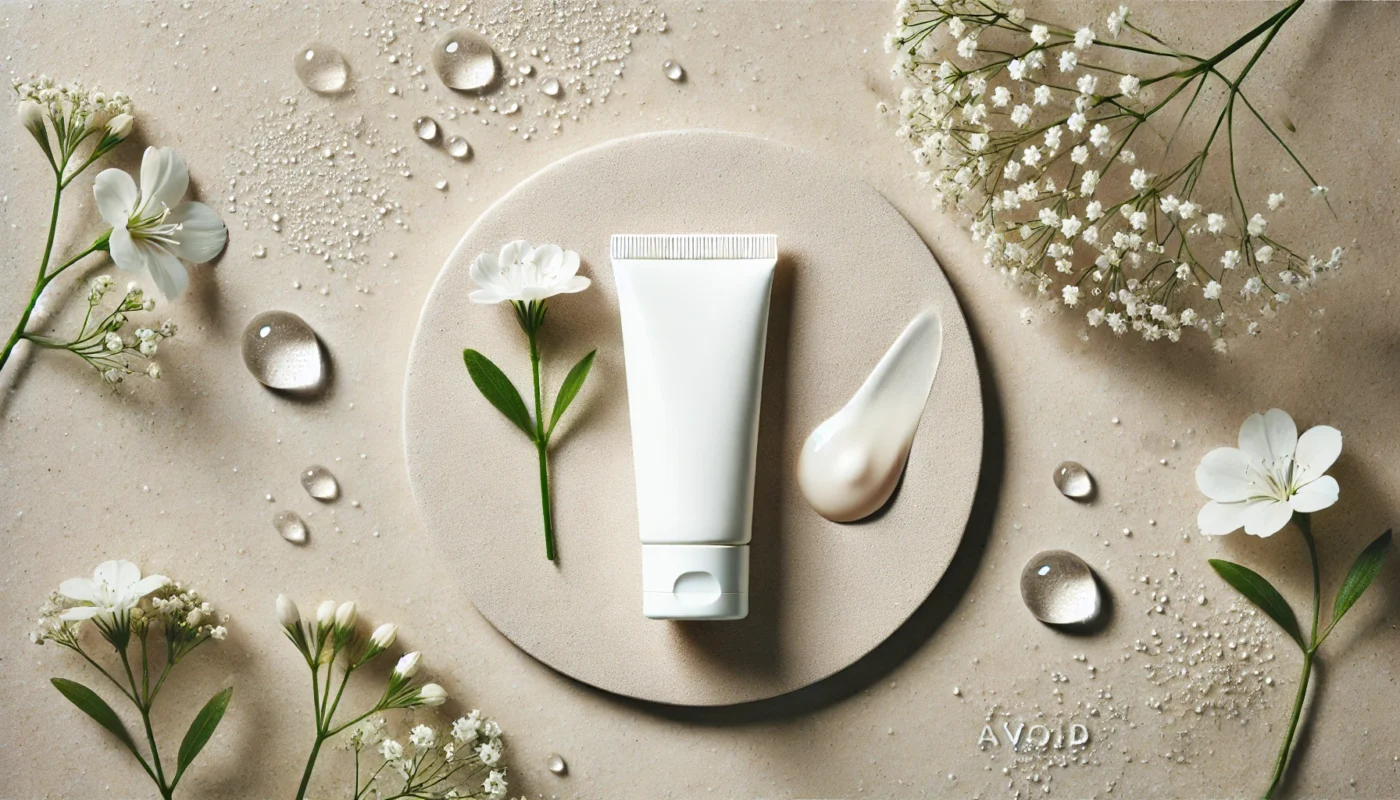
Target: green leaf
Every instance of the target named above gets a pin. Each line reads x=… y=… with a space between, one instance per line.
x=202 y=728
x=92 y=705
x=1262 y=593
x=1363 y=571
x=572 y=383
x=497 y=388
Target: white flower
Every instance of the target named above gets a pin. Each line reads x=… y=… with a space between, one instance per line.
x=1041 y=96
x=465 y=729
x=287 y=613
x=1076 y=122
x=1070 y=295
x=1257 y=225
x=1083 y=38
x=119 y=127
x=346 y=615
x=1021 y=114
x=114 y=588
x=31 y=116
x=1098 y=135
x=490 y=753
x=391 y=750
x=1230 y=259
x=1016 y=68
x=432 y=695
x=1040 y=34
x=1275 y=201
x=325 y=614
x=1128 y=85
x=1068 y=60
x=1212 y=290
x=152 y=231
x=1087 y=84
x=1139 y=179
x=495 y=784
x=422 y=737
x=384 y=635
x=408 y=665
x=153 y=371
x=1273 y=473
x=1264 y=254
x=1001 y=96
x=967 y=46
x=1116 y=20
x=522 y=273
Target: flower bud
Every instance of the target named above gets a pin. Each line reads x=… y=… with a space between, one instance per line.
x=287 y=613
x=384 y=636
x=408 y=665
x=31 y=116
x=119 y=127
x=346 y=615
x=325 y=614
x=432 y=695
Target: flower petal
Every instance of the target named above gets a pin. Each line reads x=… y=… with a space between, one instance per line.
x=80 y=613
x=547 y=258
x=1225 y=475
x=1318 y=449
x=575 y=284
x=117 y=574
x=116 y=196
x=1265 y=518
x=1269 y=437
x=486 y=296
x=569 y=268
x=166 y=270
x=126 y=254
x=146 y=585
x=164 y=179
x=512 y=254
x=79 y=589
x=1217 y=519
x=1315 y=496
x=202 y=234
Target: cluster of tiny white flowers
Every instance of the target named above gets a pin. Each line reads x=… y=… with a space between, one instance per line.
x=1024 y=127
x=50 y=628
x=101 y=343
x=77 y=106
x=439 y=763
x=186 y=617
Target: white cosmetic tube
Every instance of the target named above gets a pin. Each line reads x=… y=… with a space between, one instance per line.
x=694 y=326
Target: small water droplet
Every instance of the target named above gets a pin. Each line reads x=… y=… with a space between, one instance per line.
x=320 y=483
x=1060 y=589
x=259 y=251
x=510 y=108
x=464 y=61
x=321 y=68
x=290 y=527
x=457 y=147
x=550 y=86
x=673 y=70
x=1073 y=480
x=555 y=763
x=441 y=185
x=426 y=128
x=526 y=69
x=282 y=352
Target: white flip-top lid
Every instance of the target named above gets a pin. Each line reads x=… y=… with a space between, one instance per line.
x=695 y=581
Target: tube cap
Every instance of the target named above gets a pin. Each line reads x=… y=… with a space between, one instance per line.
x=695 y=581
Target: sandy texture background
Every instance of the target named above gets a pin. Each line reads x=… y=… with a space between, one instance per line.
x=174 y=475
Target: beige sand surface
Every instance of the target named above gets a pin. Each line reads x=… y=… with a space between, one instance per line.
x=174 y=475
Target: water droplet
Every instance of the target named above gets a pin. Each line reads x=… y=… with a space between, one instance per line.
x=426 y=128
x=526 y=69
x=1060 y=589
x=441 y=185
x=290 y=526
x=321 y=68
x=464 y=61
x=320 y=483
x=555 y=763
x=510 y=108
x=1073 y=480
x=259 y=251
x=457 y=147
x=673 y=70
x=282 y=352
x=550 y=86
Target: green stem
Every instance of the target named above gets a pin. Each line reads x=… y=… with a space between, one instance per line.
x=40 y=282
x=1305 y=527
x=542 y=447
x=310 y=765
x=150 y=732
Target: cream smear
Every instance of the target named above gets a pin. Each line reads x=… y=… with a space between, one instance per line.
x=851 y=463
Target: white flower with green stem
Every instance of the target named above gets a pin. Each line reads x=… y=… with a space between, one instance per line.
x=334 y=637
x=131 y=612
x=435 y=764
x=152 y=229
x=527 y=277
x=1036 y=124
x=1273 y=477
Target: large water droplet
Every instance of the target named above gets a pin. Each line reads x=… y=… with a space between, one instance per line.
x=672 y=70
x=282 y=352
x=457 y=147
x=426 y=128
x=550 y=86
x=290 y=526
x=321 y=68
x=464 y=61
x=1059 y=588
x=320 y=483
x=1073 y=480
x=555 y=763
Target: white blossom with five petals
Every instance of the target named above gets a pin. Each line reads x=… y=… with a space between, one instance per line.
x=114 y=588
x=1273 y=473
x=152 y=230
x=521 y=273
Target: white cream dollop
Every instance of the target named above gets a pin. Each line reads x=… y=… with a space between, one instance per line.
x=851 y=463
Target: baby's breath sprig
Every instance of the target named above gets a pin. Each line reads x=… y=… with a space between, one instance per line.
x=461 y=761
x=99 y=340
x=1025 y=125
x=131 y=613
